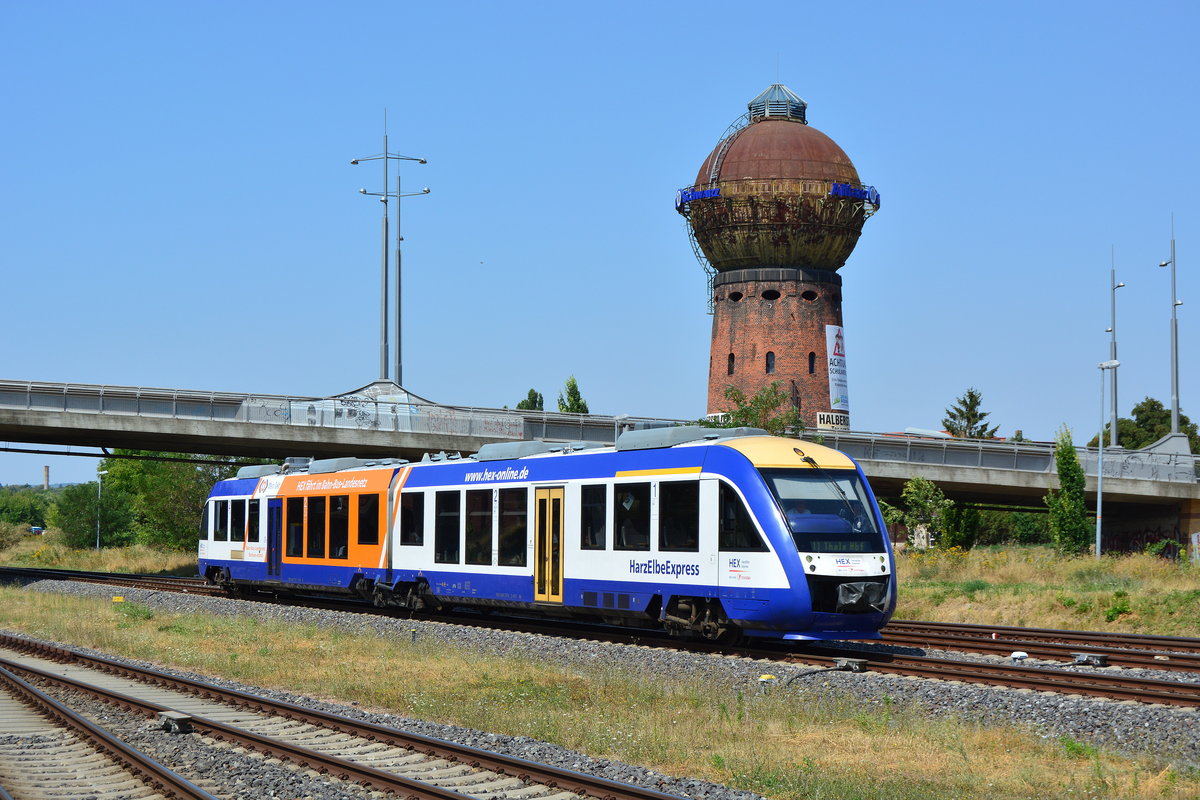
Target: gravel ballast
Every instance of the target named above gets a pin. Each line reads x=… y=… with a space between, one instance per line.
x=1163 y=732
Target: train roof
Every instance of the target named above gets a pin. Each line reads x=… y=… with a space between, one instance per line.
x=759 y=447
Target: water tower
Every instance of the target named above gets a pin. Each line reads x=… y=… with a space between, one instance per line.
x=775 y=211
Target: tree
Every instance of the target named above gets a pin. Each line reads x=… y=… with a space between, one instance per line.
x=1069 y=526
x=769 y=408
x=533 y=402
x=74 y=512
x=1151 y=422
x=573 y=403
x=24 y=505
x=167 y=496
x=962 y=524
x=925 y=511
x=964 y=420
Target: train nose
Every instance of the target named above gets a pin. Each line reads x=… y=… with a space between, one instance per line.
x=861 y=597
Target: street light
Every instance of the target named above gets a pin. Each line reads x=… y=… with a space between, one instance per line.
x=1112 y=355
x=99 y=482
x=383 y=196
x=1174 y=336
x=1110 y=364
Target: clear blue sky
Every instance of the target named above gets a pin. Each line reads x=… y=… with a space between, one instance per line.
x=178 y=208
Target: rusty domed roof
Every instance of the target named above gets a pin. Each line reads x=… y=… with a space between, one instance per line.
x=780 y=148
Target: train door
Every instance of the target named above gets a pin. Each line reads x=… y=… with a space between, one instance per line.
x=274 y=536
x=548 y=547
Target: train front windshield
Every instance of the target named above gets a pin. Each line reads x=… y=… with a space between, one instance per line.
x=827 y=511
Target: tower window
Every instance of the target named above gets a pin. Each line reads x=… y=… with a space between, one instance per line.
x=812 y=363
x=735 y=296
x=809 y=295
x=770 y=363
x=729 y=371
x=770 y=295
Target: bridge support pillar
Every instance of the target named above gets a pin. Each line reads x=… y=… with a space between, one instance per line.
x=1189 y=520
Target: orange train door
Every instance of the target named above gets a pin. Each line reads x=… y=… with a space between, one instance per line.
x=548 y=548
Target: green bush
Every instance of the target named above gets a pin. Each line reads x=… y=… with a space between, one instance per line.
x=10 y=534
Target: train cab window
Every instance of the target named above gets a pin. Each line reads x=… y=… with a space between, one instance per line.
x=412 y=518
x=221 y=523
x=514 y=527
x=445 y=528
x=295 y=527
x=631 y=516
x=679 y=516
x=479 y=526
x=736 y=533
x=204 y=518
x=339 y=526
x=368 y=519
x=252 y=522
x=237 y=525
x=314 y=531
x=593 y=501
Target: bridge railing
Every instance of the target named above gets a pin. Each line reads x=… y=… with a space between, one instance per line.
x=363 y=413
x=1024 y=456
x=348 y=411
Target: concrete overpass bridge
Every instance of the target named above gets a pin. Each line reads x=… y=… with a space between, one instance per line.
x=1154 y=489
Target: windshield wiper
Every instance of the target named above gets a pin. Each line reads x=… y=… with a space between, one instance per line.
x=852 y=516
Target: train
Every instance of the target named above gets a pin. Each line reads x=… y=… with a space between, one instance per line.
x=712 y=533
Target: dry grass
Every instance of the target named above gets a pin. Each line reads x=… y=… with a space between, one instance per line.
x=48 y=552
x=1034 y=587
x=819 y=746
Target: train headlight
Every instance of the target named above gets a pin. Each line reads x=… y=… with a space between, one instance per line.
x=808 y=558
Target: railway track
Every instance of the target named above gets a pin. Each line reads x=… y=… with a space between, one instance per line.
x=49 y=751
x=362 y=753
x=1087 y=649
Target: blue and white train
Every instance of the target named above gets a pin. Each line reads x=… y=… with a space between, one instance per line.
x=704 y=532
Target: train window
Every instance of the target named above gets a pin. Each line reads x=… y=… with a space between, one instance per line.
x=514 y=527
x=770 y=363
x=737 y=533
x=339 y=526
x=479 y=526
x=679 y=516
x=204 y=517
x=827 y=511
x=631 y=516
x=295 y=527
x=412 y=518
x=221 y=526
x=368 y=519
x=314 y=531
x=445 y=530
x=252 y=527
x=237 y=527
x=593 y=501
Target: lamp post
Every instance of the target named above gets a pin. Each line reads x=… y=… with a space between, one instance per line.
x=1110 y=364
x=383 y=196
x=1112 y=355
x=99 y=483
x=1175 y=303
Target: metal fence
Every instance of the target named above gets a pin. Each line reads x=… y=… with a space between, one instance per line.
x=351 y=411
x=1023 y=456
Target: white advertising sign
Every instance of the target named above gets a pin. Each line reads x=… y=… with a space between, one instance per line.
x=835 y=349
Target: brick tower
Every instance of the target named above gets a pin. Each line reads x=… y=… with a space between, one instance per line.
x=776 y=209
